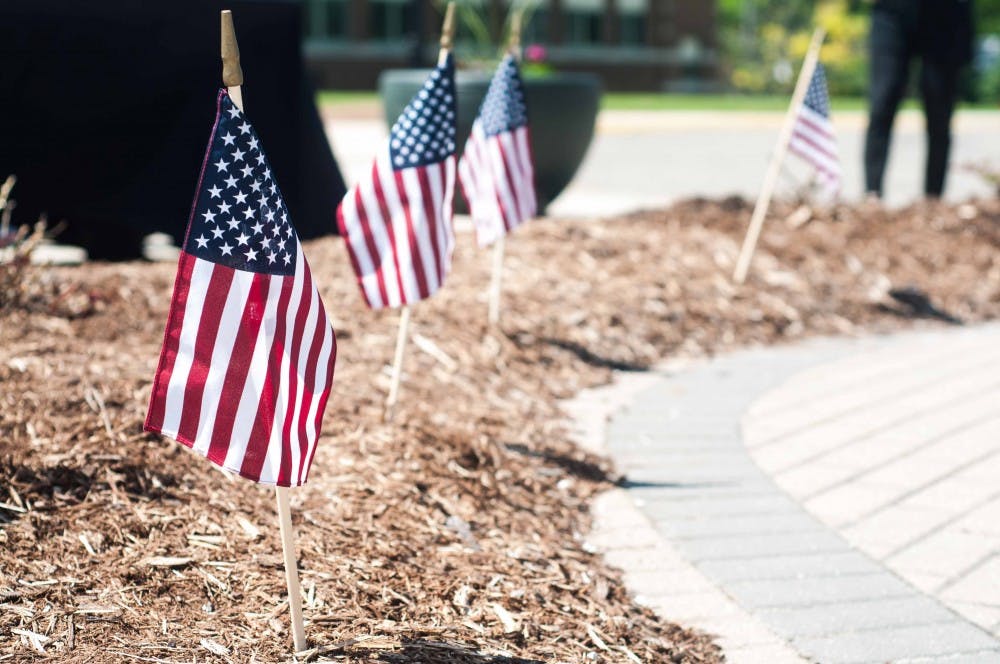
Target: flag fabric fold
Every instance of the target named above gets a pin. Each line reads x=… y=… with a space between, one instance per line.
x=248 y=353
x=496 y=169
x=397 y=221
x=813 y=138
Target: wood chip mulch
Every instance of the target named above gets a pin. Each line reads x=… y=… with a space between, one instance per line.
x=455 y=533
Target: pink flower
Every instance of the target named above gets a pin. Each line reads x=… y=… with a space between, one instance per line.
x=535 y=53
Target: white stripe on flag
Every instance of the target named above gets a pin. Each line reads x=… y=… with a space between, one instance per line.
x=222 y=350
x=301 y=367
x=421 y=227
x=499 y=171
x=272 y=462
x=447 y=207
x=356 y=238
x=399 y=228
x=434 y=181
x=312 y=419
x=201 y=276
x=818 y=159
x=246 y=412
x=512 y=165
x=378 y=227
x=524 y=156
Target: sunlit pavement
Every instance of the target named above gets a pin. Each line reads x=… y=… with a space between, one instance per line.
x=649 y=158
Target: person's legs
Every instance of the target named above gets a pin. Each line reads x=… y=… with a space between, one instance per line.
x=938 y=85
x=888 y=71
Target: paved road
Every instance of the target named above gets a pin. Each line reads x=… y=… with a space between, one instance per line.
x=834 y=501
x=642 y=158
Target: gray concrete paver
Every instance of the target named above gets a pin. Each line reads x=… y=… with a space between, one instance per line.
x=774 y=555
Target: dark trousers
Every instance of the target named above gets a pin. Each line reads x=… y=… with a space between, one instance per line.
x=893 y=46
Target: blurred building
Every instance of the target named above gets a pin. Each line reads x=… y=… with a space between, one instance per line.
x=632 y=44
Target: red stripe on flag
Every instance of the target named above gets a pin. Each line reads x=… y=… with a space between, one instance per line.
x=171 y=342
x=509 y=220
x=430 y=211
x=239 y=368
x=822 y=130
x=387 y=220
x=208 y=330
x=411 y=237
x=309 y=393
x=263 y=423
x=295 y=348
x=326 y=394
x=807 y=138
x=342 y=227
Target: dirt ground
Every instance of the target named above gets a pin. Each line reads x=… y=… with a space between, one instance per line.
x=453 y=534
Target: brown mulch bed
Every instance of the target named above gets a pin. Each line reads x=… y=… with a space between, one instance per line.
x=454 y=534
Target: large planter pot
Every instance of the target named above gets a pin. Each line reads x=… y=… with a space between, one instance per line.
x=562 y=111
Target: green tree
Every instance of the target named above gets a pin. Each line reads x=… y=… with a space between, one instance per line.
x=764 y=42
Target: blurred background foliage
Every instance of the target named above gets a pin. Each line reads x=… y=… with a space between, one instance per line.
x=764 y=42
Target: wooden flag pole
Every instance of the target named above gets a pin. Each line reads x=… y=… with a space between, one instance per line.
x=397 y=362
x=774 y=169
x=232 y=78
x=447 y=37
x=496 y=282
x=6 y=206
x=496 y=279
x=447 y=33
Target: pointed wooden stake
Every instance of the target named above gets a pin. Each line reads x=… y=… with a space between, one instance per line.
x=496 y=282
x=397 y=362
x=232 y=77
x=447 y=31
x=774 y=169
x=291 y=568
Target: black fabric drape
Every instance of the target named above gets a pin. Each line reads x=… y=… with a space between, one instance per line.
x=106 y=107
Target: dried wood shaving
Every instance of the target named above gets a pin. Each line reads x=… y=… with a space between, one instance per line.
x=186 y=554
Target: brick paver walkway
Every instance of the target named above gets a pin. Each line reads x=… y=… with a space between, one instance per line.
x=868 y=531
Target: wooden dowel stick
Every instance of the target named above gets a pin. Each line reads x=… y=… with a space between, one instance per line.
x=496 y=281
x=232 y=77
x=6 y=205
x=774 y=169
x=447 y=32
x=397 y=361
x=514 y=43
x=291 y=568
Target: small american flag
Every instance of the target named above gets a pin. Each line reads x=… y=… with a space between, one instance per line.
x=397 y=223
x=496 y=169
x=248 y=352
x=812 y=135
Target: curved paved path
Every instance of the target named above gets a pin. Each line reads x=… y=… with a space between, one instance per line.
x=868 y=531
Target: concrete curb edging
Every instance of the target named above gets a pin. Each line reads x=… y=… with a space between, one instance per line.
x=707 y=539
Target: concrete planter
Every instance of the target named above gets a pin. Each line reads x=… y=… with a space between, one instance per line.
x=562 y=108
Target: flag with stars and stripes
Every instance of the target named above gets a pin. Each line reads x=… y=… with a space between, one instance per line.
x=812 y=134
x=496 y=169
x=248 y=352
x=397 y=220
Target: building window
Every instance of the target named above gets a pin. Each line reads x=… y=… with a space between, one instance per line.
x=632 y=21
x=584 y=21
x=633 y=29
x=387 y=19
x=583 y=27
x=327 y=19
x=536 y=31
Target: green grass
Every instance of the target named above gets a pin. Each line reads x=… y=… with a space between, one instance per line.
x=337 y=97
x=651 y=101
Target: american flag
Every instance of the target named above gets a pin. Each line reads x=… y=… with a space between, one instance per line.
x=397 y=223
x=812 y=134
x=248 y=352
x=496 y=169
